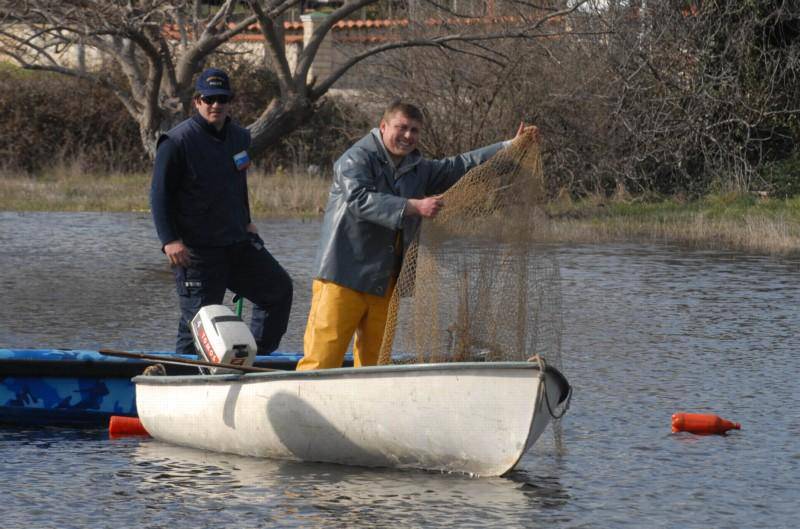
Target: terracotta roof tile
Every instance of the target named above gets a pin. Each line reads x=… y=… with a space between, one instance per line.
x=359 y=30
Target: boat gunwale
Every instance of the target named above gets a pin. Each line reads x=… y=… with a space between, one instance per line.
x=343 y=372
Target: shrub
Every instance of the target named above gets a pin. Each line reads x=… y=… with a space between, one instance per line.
x=333 y=128
x=51 y=119
x=782 y=178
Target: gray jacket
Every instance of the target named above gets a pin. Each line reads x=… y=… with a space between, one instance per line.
x=365 y=210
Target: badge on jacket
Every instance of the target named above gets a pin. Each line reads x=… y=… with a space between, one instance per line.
x=242 y=160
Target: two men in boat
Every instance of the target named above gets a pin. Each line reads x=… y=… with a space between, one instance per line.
x=382 y=188
x=202 y=215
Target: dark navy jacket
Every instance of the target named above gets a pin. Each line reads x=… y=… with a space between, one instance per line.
x=198 y=195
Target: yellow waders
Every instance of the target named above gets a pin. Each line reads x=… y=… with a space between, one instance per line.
x=336 y=314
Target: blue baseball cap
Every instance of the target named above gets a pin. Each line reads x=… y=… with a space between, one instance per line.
x=213 y=82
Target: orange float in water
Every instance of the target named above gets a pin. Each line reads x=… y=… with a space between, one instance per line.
x=702 y=423
x=120 y=426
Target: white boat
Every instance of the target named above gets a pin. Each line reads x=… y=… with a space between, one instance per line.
x=476 y=418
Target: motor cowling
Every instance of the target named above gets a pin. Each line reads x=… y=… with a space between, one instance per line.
x=221 y=337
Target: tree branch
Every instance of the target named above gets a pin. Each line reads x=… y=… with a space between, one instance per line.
x=309 y=52
x=275 y=46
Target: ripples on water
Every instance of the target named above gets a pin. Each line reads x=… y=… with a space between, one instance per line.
x=90 y=481
x=650 y=330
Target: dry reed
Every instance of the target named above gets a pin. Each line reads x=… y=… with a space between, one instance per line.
x=753 y=233
x=282 y=194
x=121 y=192
x=287 y=194
x=69 y=189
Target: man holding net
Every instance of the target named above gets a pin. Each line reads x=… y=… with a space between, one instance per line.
x=382 y=188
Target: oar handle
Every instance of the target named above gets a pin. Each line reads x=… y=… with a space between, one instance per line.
x=183 y=361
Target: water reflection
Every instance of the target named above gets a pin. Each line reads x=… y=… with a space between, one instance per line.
x=649 y=330
x=89 y=280
x=542 y=490
x=333 y=495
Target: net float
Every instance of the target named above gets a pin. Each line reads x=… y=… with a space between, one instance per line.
x=120 y=426
x=702 y=423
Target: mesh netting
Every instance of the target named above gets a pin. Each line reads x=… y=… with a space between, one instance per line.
x=476 y=285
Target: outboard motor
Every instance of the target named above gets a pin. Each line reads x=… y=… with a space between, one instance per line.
x=222 y=337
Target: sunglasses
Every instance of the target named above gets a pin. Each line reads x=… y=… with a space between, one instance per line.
x=210 y=100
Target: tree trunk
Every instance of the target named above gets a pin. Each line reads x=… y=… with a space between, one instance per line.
x=282 y=117
x=149 y=134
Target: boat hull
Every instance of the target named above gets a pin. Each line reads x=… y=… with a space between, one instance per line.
x=67 y=387
x=474 y=418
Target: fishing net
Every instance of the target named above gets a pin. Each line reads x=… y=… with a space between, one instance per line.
x=476 y=285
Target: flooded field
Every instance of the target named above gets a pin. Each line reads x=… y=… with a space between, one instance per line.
x=649 y=330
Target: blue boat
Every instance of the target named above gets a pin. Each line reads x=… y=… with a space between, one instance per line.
x=69 y=387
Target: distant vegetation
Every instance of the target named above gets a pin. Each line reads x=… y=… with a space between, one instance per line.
x=63 y=125
x=677 y=99
x=730 y=220
x=50 y=120
x=67 y=188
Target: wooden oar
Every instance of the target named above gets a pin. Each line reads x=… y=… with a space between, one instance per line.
x=183 y=361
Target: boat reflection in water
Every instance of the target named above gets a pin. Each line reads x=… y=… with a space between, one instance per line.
x=230 y=488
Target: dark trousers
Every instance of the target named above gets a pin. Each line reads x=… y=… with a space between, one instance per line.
x=246 y=269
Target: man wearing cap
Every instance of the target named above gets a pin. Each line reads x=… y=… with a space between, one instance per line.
x=202 y=216
x=382 y=188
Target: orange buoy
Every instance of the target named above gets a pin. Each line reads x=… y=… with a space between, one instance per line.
x=120 y=426
x=702 y=423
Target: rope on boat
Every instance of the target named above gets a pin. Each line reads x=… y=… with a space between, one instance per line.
x=539 y=359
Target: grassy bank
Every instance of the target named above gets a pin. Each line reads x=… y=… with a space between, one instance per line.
x=743 y=222
x=732 y=221
x=276 y=195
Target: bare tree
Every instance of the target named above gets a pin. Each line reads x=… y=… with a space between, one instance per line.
x=159 y=45
x=699 y=94
x=671 y=97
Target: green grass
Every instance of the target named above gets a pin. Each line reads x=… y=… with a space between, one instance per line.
x=736 y=221
x=731 y=206
x=69 y=189
x=10 y=69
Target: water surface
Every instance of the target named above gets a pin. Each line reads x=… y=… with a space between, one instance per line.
x=650 y=330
